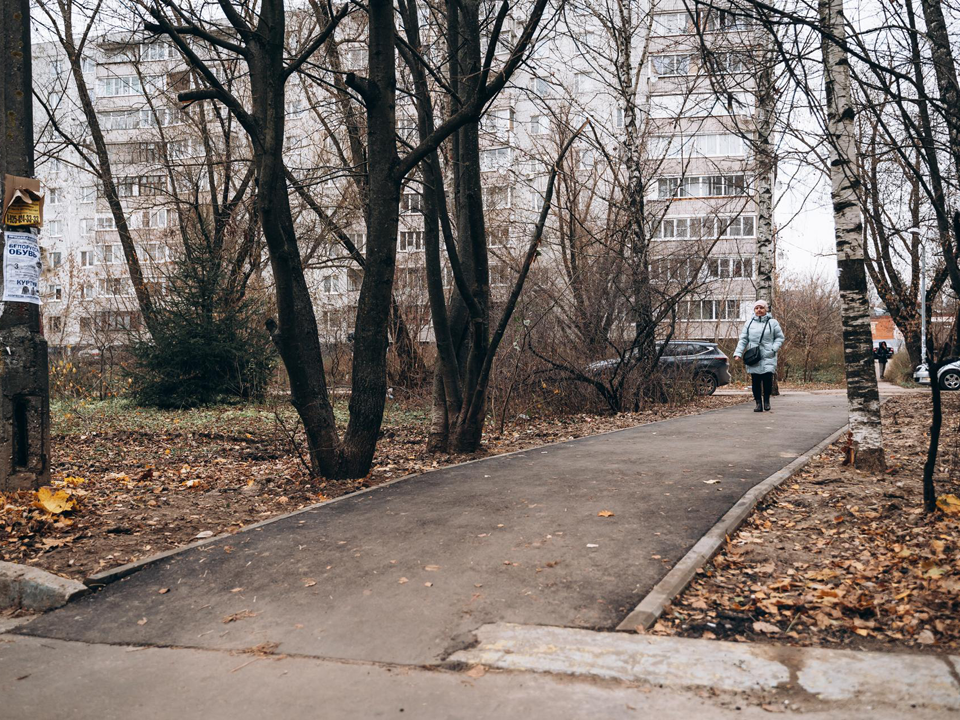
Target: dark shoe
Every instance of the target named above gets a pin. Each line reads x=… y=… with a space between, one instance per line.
x=766 y=405
x=758 y=408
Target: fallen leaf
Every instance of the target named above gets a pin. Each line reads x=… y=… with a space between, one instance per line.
x=403 y=581
x=164 y=591
x=243 y=614
x=477 y=671
x=765 y=627
x=711 y=482
x=203 y=534
x=926 y=638
x=428 y=584
x=949 y=504
x=605 y=513
x=592 y=545
x=432 y=568
x=309 y=582
x=54 y=502
x=142 y=621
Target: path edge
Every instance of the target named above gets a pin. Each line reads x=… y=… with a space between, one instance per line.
x=644 y=615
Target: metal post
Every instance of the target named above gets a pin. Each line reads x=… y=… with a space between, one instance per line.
x=24 y=380
x=923 y=304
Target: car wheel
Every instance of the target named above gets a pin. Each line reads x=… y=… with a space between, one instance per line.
x=950 y=380
x=706 y=384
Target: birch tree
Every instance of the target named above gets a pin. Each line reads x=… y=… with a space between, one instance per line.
x=863 y=397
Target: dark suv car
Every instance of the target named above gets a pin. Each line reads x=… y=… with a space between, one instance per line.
x=702 y=362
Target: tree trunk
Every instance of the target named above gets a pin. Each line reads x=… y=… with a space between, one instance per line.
x=766 y=165
x=862 y=395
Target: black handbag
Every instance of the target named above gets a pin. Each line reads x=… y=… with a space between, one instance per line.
x=752 y=355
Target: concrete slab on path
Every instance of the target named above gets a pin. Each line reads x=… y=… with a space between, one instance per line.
x=819 y=674
x=45 y=679
x=404 y=573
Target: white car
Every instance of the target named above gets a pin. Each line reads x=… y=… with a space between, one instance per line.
x=949 y=375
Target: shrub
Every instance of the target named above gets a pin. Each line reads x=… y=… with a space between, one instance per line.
x=208 y=343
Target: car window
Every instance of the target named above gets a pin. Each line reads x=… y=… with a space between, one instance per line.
x=678 y=350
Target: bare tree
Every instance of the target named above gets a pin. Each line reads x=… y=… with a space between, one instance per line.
x=862 y=395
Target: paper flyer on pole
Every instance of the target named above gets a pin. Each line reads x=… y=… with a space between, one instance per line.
x=21 y=268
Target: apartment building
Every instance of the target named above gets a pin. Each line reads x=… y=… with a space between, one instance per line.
x=697 y=111
x=88 y=297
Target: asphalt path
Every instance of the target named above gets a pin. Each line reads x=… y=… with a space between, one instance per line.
x=404 y=573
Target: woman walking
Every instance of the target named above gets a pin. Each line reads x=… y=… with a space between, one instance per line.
x=760 y=340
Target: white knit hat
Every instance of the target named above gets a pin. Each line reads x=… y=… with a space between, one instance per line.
x=766 y=305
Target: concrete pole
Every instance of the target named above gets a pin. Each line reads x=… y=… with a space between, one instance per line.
x=24 y=379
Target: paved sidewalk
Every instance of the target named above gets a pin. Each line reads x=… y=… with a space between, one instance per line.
x=407 y=572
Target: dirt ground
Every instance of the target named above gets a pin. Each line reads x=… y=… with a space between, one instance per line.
x=130 y=483
x=837 y=557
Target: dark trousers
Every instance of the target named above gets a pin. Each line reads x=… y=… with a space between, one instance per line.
x=883 y=367
x=764 y=382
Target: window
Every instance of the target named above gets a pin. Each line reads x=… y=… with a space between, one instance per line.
x=411 y=202
x=56 y=259
x=106 y=222
x=127 y=186
x=156 y=51
x=701 y=105
x=155 y=252
x=107 y=255
x=701 y=186
x=732 y=62
x=542 y=87
x=87 y=64
x=56 y=323
x=498 y=235
x=730 y=267
x=675 y=23
x=117 y=86
x=673 y=146
x=153 y=218
x=496 y=157
x=619 y=117
x=111 y=286
x=496 y=197
x=499 y=120
x=582 y=82
x=538 y=125
x=354 y=279
x=120 y=119
x=679 y=228
x=411 y=240
x=153 y=185
x=116 y=320
x=717 y=20
x=56 y=292
x=667 y=65
x=53 y=227
x=86 y=258
x=54 y=196
x=86 y=291
x=88 y=193
x=331 y=284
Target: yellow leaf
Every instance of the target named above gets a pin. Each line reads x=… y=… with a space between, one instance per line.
x=949 y=504
x=54 y=502
x=605 y=513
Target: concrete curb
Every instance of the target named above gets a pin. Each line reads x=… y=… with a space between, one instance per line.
x=29 y=588
x=102 y=579
x=808 y=674
x=651 y=607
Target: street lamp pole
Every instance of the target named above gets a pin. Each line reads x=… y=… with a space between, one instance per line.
x=923 y=302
